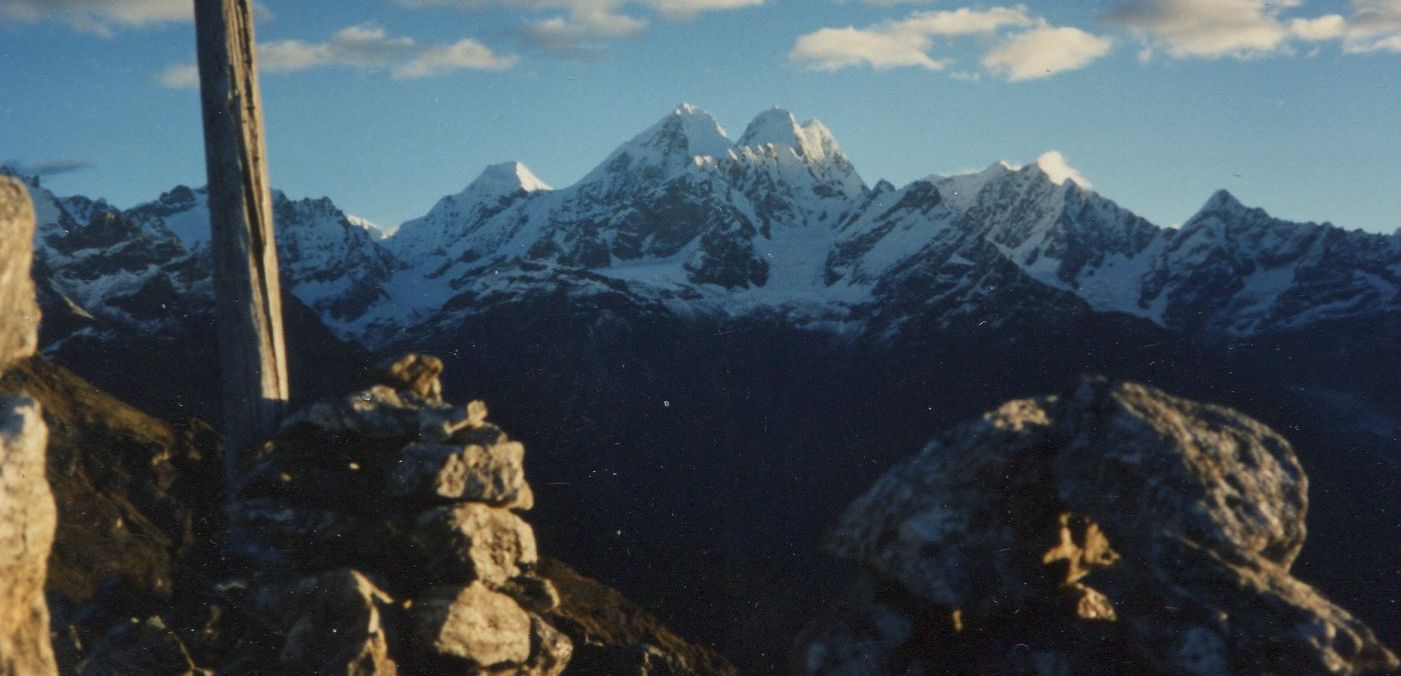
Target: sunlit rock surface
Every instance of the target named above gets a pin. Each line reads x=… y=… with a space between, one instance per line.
x=27 y=514
x=1110 y=528
x=20 y=323
x=27 y=521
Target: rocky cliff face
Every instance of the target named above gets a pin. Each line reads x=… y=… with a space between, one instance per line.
x=1111 y=527
x=27 y=514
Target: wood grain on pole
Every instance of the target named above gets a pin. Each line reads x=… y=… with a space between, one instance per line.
x=252 y=355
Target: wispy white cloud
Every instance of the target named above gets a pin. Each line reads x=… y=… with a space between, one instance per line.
x=370 y=47
x=464 y=54
x=366 y=47
x=1375 y=26
x=899 y=44
x=1206 y=28
x=103 y=17
x=685 y=9
x=1320 y=29
x=568 y=28
x=1058 y=169
x=1044 y=51
x=179 y=76
x=1018 y=45
x=98 y=16
x=1022 y=47
x=584 y=32
x=880 y=48
x=674 y=8
x=583 y=28
x=966 y=21
x=47 y=167
x=1241 y=29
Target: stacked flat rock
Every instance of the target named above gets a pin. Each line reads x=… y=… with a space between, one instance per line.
x=382 y=534
x=1110 y=529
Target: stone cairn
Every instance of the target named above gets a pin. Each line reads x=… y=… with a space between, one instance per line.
x=380 y=535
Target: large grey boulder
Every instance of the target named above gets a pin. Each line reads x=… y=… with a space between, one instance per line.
x=1110 y=528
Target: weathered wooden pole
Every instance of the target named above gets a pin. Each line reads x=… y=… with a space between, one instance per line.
x=252 y=356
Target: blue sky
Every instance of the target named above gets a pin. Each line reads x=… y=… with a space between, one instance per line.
x=387 y=105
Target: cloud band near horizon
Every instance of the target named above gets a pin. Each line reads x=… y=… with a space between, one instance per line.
x=1019 y=46
x=366 y=47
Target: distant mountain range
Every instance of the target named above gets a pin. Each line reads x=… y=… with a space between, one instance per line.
x=778 y=221
x=714 y=344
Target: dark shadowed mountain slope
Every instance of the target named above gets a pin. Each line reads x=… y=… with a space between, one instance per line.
x=134 y=492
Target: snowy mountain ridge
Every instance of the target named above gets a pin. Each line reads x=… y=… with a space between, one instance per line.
x=146 y=269
x=684 y=220
x=779 y=221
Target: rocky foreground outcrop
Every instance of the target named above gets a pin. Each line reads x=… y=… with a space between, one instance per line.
x=1110 y=529
x=27 y=514
x=377 y=533
x=382 y=534
x=27 y=521
x=19 y=313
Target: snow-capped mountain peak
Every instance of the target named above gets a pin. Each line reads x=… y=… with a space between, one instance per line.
x=498 y=188
x=777 y=127
x=818 y=142
x=774 y=126
x=795 y=154
x=688 y=132
x=376 y=233
x=960 y=191
x=704 y=135
x=503 y=180
x=1221 y=201
x=675 y=145
x=183 y=212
